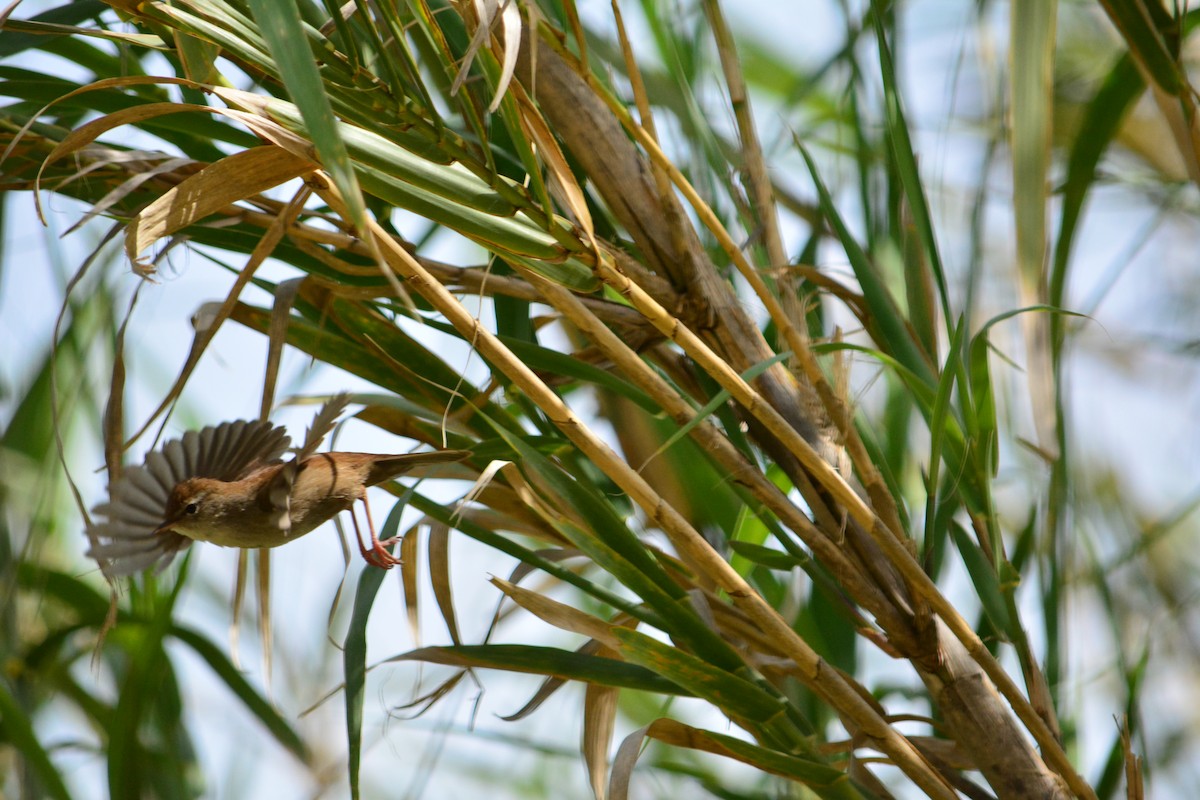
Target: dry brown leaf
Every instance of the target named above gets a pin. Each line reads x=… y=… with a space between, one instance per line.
x=439 y=576
x=237 y=177
x=625 y=761
x=87 y=133
x=599 y=722
x=266 y=640
x=1134 y=788
x=558 y=614
x=409 y=573
x=562 y=181
x=208 y=321
x=486 y=12
x=127 y=187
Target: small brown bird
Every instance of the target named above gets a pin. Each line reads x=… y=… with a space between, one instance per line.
x=229 y=485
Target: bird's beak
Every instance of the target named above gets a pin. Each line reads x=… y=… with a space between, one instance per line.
x=165 y=527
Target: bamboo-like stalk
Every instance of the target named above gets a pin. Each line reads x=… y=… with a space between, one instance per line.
x=708 y=436
x=764 y=197
x=827 y=682
x=897 y=552
x=839 y=414
x=884 y=535
x=746 y=395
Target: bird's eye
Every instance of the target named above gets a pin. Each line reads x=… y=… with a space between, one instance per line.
x=191 y=508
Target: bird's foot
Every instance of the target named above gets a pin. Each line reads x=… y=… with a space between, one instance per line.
x=378 y=555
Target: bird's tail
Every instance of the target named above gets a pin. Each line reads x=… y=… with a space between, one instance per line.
x=384 y=469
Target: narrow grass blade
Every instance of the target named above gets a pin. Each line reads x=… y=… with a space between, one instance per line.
x=280 y=24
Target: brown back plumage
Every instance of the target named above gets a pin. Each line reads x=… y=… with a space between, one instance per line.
x=280 y=490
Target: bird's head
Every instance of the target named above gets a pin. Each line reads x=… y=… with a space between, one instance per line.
x=193 y=508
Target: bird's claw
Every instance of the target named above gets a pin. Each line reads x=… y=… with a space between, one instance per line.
x=378 y=554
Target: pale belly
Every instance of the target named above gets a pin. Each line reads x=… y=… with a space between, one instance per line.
x=262 y=530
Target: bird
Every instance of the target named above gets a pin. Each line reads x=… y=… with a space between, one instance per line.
x=229 y=484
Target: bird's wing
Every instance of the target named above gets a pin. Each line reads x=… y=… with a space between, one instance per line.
x=229 y=451
x=125 y=541
x=279 y=490
x=322 y=424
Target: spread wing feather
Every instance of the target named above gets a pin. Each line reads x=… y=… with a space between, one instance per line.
x=124 y=540
x=280 y=490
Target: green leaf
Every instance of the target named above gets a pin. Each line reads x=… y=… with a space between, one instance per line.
x=814 y=773
x=1123 y=86
x=1032 y=67
x=280 y=25
x=505 y=545
x=547 y=661
x=761 y=712
x=984 y=579
x=354 y=649
x=68 y=14
x=719 y=400
x=906 y=159
x=250 y=698
x=561 y=364
x=889 y=329
x=1141 y=26
x=766 y=556
x=940 y=422
x=18 y=730
x=736 y=696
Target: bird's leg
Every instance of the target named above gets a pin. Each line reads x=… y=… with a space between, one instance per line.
x=377 y=555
